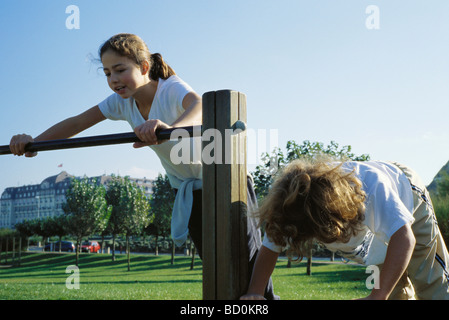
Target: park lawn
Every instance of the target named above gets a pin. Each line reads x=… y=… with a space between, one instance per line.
x=328 y=281
x=43 y=276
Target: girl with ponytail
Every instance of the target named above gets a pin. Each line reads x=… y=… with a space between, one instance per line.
x=147 y=93
x=150 y=96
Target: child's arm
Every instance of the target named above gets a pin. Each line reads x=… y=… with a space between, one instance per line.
x=62 y=130
x=192 y=116
x=263 y=268
x=399 y=252
x=193 y=111
x=72 y=126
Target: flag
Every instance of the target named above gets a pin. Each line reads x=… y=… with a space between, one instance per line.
x=60 y=166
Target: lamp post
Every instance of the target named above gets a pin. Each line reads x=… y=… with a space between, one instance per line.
x=38 y=206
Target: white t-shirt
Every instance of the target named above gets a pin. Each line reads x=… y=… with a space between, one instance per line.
x=389 y=206
x=167 y=107
x=184 y=171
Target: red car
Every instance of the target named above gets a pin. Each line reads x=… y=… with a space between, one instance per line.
x=90 y=246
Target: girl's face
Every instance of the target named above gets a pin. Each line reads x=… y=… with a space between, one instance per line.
x=124 y=76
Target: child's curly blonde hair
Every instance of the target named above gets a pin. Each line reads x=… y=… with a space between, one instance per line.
x=312 y=200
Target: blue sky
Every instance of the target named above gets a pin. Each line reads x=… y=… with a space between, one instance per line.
x=311 y=69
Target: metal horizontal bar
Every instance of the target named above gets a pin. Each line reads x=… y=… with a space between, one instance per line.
x=101 y=140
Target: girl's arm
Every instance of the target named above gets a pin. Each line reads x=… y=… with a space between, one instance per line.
x=399 y=252
x=263 y=268
x=192 y=116
x=62 y=130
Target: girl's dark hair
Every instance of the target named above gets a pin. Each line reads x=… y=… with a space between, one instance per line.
x=133 y=47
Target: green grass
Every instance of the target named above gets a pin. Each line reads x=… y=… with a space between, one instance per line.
x=328 y=281
x=43 y=276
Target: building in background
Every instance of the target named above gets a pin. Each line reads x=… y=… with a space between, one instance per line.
x=45 y=199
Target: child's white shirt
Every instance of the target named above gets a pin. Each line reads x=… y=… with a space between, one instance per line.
x=389 y=206
x=167 y=107
x=184 y=171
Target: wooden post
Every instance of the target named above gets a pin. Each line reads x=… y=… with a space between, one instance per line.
x=225 y=245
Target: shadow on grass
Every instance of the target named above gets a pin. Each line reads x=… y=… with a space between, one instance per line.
x=125 y=282
x=341 y=272
x=47 y=264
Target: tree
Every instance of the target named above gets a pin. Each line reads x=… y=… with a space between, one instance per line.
x=25 y=230
x=264 y=173
x=130 y=208
x=161 y=207
x=443 y=184
x=46 y=229
x=114 y=226
x=35 y=226
x=5 y=234
x=86 y=209
x=57 y=227
x=441 y=207
x=440 y=201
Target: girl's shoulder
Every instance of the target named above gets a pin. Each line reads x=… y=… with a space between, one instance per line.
x=115 y=107
x=171 y=81
x=173 y=85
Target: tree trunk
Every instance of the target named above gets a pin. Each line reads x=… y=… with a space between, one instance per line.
x=7 y=249
x=156 y=250
x=13 y=250
x=173 y=251
x=113 y=247
x=192 y=250
x=20 y=250
x=127 y=250
x=77 y=250
x=309 y=265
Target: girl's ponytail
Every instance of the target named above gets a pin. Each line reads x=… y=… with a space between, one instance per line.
x=159 y=69
x=134 y=48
